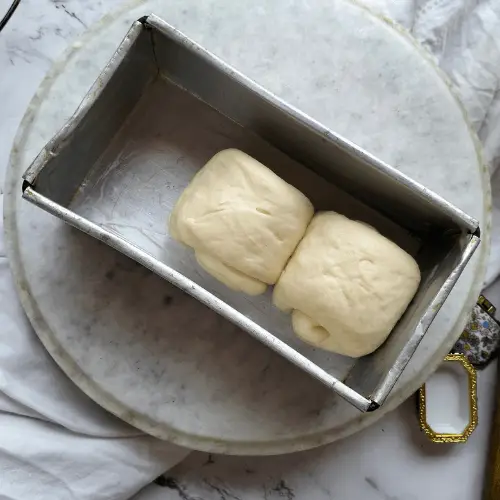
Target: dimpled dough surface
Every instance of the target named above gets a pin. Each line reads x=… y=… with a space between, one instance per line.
x=242 y=220
x=347 y=285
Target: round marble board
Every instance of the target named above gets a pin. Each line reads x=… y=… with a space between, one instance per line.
x=181 y=372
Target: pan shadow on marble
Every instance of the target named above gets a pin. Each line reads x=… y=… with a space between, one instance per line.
x=153 y=334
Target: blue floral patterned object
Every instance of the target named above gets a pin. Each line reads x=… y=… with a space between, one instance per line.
x=480 y=340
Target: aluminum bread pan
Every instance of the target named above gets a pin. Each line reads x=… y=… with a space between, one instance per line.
x=159 y=110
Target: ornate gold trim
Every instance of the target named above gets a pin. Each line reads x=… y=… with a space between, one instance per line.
x=473 y=414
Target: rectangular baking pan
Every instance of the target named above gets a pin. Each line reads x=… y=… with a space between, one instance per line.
x=160 y=109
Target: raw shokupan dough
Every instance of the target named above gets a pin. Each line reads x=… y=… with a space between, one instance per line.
x=242 y=220
x=347 y=285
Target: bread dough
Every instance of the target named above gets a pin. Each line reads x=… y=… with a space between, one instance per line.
x=347 y=285
x=242 y=220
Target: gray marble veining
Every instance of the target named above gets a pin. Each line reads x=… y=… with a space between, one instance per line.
x=113 y=326
x=392 y=460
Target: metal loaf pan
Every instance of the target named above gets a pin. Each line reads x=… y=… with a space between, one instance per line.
x=159 y=110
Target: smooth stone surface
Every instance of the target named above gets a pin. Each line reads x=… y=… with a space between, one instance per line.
x=392 y=460
x=105 y=319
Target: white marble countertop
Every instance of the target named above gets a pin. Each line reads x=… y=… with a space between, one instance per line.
x=391 y=460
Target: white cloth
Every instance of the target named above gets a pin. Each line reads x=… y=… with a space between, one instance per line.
x=57 y=444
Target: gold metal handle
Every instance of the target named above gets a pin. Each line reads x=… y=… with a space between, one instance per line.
x=461 y=437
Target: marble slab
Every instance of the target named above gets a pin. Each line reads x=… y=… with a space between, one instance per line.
x=116 y=329
x=391 y=460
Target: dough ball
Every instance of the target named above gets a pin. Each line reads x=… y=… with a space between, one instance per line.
x=242 y=220
x=346 y=285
